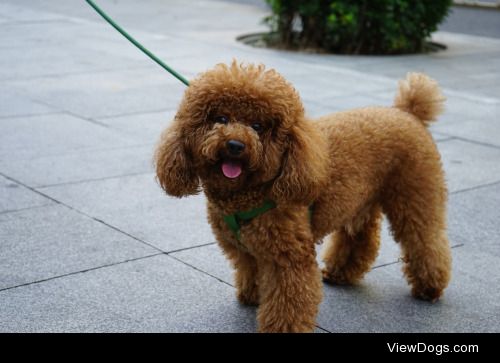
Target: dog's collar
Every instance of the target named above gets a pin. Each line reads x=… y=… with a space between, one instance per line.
x=234 y=220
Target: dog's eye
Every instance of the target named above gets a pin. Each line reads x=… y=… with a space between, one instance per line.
x=221 y=119
x=257 y=127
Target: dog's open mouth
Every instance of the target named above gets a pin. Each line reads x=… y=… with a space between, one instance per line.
x=232 y=168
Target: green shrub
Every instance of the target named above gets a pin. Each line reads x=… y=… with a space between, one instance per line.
x=357 y=27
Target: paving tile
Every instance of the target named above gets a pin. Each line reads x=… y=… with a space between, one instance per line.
x=489 y=90
x=75 y=166
x=20 y=34
x=138 y=206
x=53 y=61
x=46 y=242
x=473 y=219
x=145 y=127
x=4 y=19
x=156 y=294
x=108 y=93
x=316 y=108
x=324 y=86
x=14 y=196
x=93 y=48
x=458 y=106
x=373 y=308
x=16 y=104
x=382 y=302
x=483 y=130
x=28 y=137
x=398 y=67
x=355 y=101
x=209 y=259
x=468 y=165
x=17 y=13
x=465 y=108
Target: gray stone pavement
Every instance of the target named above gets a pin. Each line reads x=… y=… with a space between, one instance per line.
x=473 y=20
x=88 y=241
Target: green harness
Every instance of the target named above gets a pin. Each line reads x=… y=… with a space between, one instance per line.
x=234 y=220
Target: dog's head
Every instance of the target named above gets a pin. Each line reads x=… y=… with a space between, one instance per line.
x=241 y=127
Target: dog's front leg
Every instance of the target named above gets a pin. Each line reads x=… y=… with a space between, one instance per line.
x=245 y=275
x=289 y=296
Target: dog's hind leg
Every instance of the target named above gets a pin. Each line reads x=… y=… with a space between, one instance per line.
x=351 y=251
x=416 y=209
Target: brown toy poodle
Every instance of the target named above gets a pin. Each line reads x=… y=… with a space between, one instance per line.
x=277 y=182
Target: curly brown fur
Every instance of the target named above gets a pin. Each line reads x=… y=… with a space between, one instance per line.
x=351 y=166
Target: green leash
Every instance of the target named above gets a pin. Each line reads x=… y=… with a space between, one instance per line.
x=137 y=44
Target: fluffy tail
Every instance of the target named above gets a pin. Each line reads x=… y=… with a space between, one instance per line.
x=420 y=95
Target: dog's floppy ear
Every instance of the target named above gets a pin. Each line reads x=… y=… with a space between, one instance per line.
x=174 y=169
x=305 y=166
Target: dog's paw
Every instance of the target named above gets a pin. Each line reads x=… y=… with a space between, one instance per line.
x=286 y=327
x=430 y=294
x=337 y=278
x=248 y=296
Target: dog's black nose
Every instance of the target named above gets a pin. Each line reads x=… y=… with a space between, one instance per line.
x=235 y=147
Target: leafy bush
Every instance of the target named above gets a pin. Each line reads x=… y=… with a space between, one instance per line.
x=357 y=26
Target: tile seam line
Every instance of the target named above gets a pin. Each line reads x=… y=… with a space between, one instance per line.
x=81 y=150
x=82 y=213
x=93 y=120
x=399 y=259
x=485 y=144
x=32 y=114
x=62 y=19
x=76 y=182
x=81 y=271
x=445 y=138
x=8 y=211
x=219 y=279
x=198 y=269
x=138 y=113
x=74 y=73
x=84 y=118
x=67 y=112
x=324 y=329
x=190 y=248
x=481 y=186
x=99 y=220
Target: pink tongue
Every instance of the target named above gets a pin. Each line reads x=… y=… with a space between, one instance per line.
x=231 y=169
